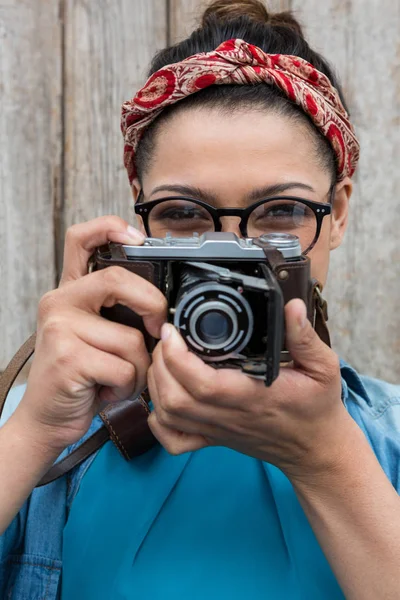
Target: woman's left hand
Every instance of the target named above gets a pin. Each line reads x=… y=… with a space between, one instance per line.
x=298 y=424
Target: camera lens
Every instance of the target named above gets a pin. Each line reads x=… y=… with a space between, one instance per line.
x=215 y=320
x=213 y=324
x=215 y=327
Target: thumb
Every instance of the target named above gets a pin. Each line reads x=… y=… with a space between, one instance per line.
x=307 y=350
x=172 y=339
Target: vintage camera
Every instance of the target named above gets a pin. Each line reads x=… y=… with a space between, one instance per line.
x=225 y=294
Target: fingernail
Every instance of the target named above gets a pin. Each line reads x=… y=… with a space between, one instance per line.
x=135 y=235
x=165 y=331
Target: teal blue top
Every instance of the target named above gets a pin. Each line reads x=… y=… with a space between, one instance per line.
x=213 y=524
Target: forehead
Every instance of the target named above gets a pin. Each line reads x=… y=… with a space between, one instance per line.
x=233 y=153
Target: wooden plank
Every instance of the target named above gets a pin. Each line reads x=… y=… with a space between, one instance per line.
x=364 y=287
x=184 y=17
x=30 y=88
x=108 y=47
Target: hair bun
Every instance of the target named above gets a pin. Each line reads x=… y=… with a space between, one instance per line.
x=286 y=19
x=225 y=10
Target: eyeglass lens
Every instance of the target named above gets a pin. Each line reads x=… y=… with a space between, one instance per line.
x=182 y=218
x=284 y=216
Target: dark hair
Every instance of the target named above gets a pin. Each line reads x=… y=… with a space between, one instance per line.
x=275 y=34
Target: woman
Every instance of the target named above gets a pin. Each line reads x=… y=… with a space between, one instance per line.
x=281 y=492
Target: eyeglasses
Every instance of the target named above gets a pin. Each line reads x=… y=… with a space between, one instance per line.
x=182 y=217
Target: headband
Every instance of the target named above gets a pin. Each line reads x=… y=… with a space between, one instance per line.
x=237 y=62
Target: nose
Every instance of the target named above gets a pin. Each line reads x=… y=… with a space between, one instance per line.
x=231 y=225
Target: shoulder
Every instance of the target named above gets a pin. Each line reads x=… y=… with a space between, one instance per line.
x=75 y=476
x=378 y=398
x=384 y=398
x=375 y=406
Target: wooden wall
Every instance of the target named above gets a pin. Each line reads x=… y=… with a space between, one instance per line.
x=65 y=68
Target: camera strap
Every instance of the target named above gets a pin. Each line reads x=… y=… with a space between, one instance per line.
x=124 y=423
x=320 y=308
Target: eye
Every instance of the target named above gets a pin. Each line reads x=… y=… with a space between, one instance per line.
x=281 y=215
x=182 y=212
x=279 y=210
x=284 y=215
x=179 y=217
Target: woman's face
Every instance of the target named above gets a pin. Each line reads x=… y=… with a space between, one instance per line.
x=233 y=159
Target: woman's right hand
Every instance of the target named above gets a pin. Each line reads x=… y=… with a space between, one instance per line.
x=82 y=360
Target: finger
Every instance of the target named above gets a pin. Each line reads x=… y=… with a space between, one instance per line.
x=81 y=240
x=308 y=351
x=175 y=442
x=219 y=387
x=118 y=376
x=175 y=407
x=122 y=341
x=114 y=285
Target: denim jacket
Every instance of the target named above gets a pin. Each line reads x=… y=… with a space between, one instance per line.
x=31 y=548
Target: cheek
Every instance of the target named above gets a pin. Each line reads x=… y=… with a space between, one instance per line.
x=319 y=255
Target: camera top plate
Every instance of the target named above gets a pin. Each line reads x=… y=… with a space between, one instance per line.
x=213 y=245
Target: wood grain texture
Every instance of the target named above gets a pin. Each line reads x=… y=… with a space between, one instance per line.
x=30 y=89
x=63 y=77
x=362 y=41
x=108 y=47
x=184 y=17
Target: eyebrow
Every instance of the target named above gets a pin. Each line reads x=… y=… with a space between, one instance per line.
x=256 y=194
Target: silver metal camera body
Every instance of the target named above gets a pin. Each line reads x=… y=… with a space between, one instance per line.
x=225 y=294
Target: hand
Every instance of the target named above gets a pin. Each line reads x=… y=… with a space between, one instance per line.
x=82 y=360
x=295 y=424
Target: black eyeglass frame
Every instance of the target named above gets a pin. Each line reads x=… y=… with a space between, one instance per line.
x=320 y=210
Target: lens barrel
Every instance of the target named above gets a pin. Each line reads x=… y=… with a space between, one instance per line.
x=215 y=320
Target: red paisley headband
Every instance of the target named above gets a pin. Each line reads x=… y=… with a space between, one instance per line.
x=237 y=62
